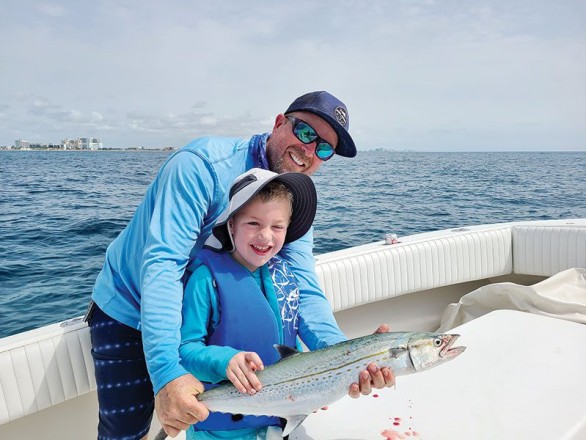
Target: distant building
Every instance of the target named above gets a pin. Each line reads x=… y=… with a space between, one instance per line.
x=81 y=144
x=70 y=144
x=90 y=143
x=21 y=145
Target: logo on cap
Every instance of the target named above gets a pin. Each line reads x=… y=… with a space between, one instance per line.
x=341 y=115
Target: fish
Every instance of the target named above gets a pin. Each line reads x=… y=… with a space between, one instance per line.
x=302 y=382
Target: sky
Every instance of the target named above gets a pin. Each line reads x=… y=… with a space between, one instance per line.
x=425 y=75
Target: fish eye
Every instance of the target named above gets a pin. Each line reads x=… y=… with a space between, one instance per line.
x=438 y=342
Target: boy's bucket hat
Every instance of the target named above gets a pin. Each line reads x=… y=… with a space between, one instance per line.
x=247 y=185
x=334 y=112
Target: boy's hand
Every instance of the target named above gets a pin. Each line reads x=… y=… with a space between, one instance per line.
x=241 y=372
x=372 y=377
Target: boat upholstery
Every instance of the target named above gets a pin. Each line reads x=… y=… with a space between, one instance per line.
x=547 y=250
x=427 y=261
x=46 y=366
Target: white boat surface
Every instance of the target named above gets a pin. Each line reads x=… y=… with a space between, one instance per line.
x=48 y=390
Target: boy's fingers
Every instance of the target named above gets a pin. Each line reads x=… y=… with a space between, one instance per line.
x=255 y=359
x=254 y=382
x=245 y=378
x=232 y=377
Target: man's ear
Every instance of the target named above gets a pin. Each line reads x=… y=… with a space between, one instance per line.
x=279 y=120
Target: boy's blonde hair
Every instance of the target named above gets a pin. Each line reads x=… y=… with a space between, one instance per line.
x=275 y=191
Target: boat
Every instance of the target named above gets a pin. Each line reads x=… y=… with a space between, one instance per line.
x=48 y=390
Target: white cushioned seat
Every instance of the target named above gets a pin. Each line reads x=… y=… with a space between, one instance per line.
x=547 y=250
x=39 y=370
x=349 y=280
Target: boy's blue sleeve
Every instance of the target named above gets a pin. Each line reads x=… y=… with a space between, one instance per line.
x=200 y=313
x=317 y=325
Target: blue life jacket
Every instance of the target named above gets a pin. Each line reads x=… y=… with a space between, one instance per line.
x=248 y=323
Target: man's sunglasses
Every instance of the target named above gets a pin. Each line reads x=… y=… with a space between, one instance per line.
x=306 y=134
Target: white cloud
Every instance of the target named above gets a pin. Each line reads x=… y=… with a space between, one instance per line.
x=421 y=74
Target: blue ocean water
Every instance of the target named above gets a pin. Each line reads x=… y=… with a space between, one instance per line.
x=60 y=210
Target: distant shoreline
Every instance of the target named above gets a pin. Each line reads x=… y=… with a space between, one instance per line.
x=374 y=150
x=101 y=150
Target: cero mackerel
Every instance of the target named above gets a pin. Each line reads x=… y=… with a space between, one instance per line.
x=300 y=383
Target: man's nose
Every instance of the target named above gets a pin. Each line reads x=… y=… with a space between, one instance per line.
x=309 y=149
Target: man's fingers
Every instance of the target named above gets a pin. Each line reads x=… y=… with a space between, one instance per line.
x=365 y=387
x=376 y=376
x=173 y=426
x=170 y=431
x=389 y=377
x=354 y=391
x=200 y=412
x=383 y=328
x=174 y=430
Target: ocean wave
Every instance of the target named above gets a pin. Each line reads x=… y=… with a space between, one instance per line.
x=59 y=212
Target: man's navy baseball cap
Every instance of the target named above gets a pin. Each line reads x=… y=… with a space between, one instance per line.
x=330 y=108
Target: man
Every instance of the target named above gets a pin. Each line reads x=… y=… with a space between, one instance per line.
x=136 y=316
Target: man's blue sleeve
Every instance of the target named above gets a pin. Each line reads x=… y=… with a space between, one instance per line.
x=317 y=325
x=183 y=195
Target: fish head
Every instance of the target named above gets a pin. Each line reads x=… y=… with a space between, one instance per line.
x=430 y=349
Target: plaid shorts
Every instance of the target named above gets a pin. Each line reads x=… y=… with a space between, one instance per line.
x=125 y=392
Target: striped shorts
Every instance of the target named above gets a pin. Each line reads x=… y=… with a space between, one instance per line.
x=125 y=392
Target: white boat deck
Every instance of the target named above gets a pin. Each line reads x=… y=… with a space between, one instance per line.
x=521 y=377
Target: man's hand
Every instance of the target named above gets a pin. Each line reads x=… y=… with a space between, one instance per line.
x=373 y=377
x=177 y=406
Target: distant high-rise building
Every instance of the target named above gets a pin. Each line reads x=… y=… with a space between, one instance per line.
x=70 y=144
x=23 y=145
x=90 y=143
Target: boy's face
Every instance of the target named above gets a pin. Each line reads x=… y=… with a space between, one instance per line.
x=259 y=230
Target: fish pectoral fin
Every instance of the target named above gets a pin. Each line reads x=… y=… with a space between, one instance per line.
x=292 y=423
x=285 y=351
x=396 y=352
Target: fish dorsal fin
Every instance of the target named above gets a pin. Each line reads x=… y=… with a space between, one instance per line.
x=285 y=351
x=292 y=423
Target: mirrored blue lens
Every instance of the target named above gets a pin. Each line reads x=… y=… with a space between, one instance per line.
x=305 y=133
x=324 y=151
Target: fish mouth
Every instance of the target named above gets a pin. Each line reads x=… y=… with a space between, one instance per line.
x=448 y=351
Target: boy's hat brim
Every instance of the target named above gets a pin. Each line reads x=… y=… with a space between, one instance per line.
x=334 y=112
x=247 y=185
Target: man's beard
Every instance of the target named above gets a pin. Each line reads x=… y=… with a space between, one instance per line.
x=279 y=164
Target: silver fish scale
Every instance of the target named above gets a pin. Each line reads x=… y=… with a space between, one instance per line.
x=300 y=384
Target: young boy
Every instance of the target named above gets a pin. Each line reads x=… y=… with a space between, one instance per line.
x=242 y=298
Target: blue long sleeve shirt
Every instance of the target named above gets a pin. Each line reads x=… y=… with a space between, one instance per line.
x=141 y=284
